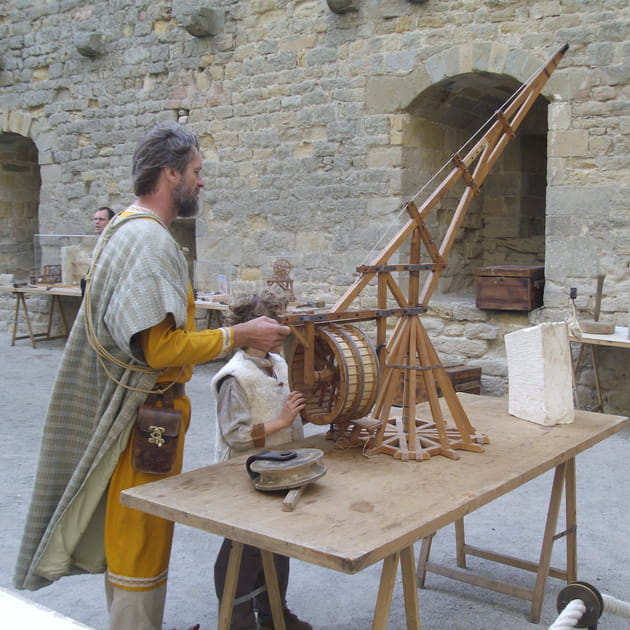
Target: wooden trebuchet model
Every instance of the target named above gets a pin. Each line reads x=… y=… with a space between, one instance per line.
x=351 y=386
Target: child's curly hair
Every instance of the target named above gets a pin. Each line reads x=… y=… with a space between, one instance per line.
x=252 y=305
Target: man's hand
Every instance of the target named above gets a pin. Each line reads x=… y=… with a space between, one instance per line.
x=262 y=333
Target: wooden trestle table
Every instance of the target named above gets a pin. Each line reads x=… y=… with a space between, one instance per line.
x=365 y=510
x=58 y=291
x=618 y=339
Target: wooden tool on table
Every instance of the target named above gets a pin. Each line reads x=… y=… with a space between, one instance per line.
x=286 y=470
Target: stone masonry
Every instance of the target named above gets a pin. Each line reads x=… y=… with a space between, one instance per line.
x=318 y=120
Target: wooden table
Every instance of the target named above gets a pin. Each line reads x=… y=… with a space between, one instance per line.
x=619 y=339
x=366 y=510
x=56 y=292
x=215 y=309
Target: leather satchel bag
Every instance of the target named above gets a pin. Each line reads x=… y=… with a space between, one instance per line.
x=155 y=439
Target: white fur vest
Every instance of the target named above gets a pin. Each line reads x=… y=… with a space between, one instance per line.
x=266 y=396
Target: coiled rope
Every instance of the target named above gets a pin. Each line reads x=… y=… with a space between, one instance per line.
x=102 y=353
x=570 y=616
x=579 y=613
x=616 y=606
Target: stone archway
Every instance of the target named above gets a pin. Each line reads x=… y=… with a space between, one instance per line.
x=434 y=111
x=19 y=194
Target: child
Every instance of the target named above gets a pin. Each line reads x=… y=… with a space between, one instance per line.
x=255 y=410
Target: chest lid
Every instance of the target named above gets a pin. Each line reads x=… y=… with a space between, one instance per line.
x=534 y=272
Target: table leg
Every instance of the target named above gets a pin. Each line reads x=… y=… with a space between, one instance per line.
x=273 y=590
x=600 y=404
x=385 y=592
x=460 y=541
x=51 y=312
x=547 y=545
x=423 y=558
x=571 y=520
x=229 y=590
x=21 y=301
x=15 y=317
x=564 y=479
x=56 y=299
x=410 y=588
x=576 y=372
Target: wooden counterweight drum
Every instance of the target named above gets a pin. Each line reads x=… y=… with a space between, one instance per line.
x=346 y=375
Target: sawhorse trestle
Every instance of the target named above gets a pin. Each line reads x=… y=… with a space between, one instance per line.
x=564 y=478
x=55 y=300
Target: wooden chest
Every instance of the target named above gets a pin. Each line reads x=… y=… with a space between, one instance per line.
x=510 y=287
x=463 y=378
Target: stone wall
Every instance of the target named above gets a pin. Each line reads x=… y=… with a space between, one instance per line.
x=306 y=116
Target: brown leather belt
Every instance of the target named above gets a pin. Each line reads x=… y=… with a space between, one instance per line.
x=166 y=399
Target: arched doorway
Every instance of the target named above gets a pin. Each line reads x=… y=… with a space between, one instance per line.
x=19 y=202
x=505 y=224
x=438 y=108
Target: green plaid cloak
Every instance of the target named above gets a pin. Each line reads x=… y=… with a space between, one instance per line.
x=140 y=276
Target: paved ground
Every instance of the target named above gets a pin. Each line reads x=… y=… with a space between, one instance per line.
x=329 y=600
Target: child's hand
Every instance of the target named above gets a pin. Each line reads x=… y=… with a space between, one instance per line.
x=293 y=405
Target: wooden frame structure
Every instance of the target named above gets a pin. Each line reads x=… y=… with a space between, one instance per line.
x=409 y=354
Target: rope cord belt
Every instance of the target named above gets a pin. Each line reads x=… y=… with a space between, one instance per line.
x=102 y=353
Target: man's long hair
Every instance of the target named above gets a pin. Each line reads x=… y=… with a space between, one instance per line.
x=166 y=145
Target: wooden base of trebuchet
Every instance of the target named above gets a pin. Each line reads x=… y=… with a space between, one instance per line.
x=430 y=439
x=404 y=436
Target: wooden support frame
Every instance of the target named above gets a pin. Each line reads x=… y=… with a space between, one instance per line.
x=20 y=303
x=231 y=580
x=564 y=478
x=382 y=606
x=409 y=352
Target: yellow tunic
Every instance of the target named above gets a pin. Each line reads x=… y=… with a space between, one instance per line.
x=138 y=545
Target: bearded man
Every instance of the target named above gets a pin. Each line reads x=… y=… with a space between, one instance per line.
x=130 y=351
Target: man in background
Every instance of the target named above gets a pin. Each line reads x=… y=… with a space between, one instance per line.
x=101 y=218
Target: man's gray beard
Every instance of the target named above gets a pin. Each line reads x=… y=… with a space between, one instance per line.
x=188 y=208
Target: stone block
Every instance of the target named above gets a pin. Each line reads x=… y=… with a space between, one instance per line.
x=90 y=44
x=343 y=6
x=395 y=93
x=199 y=19
x=540 y=374
x=568 y=143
